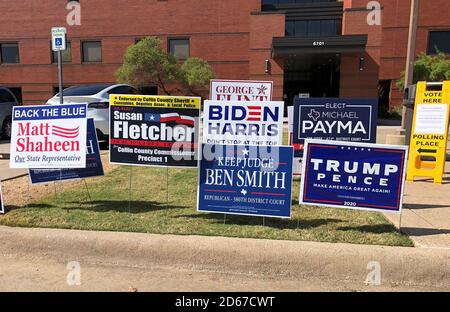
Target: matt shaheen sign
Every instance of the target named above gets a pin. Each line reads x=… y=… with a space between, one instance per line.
x=243 y=123
x=154 y=130
x=241 y=90
x=49 y=136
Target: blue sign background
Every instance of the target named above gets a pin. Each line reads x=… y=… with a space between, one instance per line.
x=246 y=199
x=343 y=194
x=322 y=110
x=93 y=168
x=65 y=111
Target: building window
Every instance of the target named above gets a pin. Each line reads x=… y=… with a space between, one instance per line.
x=313 y=28
x=439 y=41
x=179 y=48
x=92 y=51
x=9 y=53
x=66 y=54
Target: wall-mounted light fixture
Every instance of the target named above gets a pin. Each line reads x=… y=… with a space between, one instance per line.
x=267 y=66
x=362 y=64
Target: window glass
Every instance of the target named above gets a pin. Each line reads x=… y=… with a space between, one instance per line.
x=439 y=41
x=179 y=48
x=9 y=53
x=92 y=51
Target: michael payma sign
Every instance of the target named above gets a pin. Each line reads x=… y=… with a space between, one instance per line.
x=50 y=136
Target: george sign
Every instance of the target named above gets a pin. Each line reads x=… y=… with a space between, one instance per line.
x=240 y=90
x=94 y=167
x=49 y=136
x=2 y=205
x=246 y=180
x=350 y=120
x=353 y=175
x=243 y=123
x=59 y=38
x=154 y=130
x=429 y=133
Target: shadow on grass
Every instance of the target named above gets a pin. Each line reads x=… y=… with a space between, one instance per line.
x=424 y=206
x=258 y=221
x=31 y=206
x=375 y=229
x=122 y=206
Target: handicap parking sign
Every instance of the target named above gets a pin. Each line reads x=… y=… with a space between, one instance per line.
x=58 y=42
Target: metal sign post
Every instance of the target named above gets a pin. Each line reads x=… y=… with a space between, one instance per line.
x=59 y=44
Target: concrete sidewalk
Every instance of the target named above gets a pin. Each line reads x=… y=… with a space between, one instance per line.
x=36 y=259
x=426 y=212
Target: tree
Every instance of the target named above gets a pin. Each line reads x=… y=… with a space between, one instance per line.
x=432 y=68
x=147 y=63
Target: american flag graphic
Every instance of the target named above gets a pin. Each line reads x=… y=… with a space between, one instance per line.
x=254 y=113
x=68 y=133
x=174 y=117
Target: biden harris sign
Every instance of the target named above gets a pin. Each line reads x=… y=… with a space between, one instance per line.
x=349 y=120
x=243 y=123
x=49 y=136
x=246 y=180
x=353 y=175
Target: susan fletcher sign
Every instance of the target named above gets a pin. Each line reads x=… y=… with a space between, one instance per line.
x=353 y=175
x=94 y=167
x=246 y=180
x=154 y=130
x=350 y=120
x=240 y=90
x=49 y=136
x=243 y=123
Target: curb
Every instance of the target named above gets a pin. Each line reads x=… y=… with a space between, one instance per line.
x=399 y=266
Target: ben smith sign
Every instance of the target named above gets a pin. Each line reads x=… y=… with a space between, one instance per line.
x=350 y=120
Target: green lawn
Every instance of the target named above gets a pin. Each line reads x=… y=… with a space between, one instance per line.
x=150 y=213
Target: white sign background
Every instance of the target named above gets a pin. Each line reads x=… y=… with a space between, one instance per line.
x=2 y=205
x=259 y=90
x=431 y=119
x=229 y=139
x=34 y=159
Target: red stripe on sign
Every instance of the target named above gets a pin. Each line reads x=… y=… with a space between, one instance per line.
x=254 y=114
x=254 y=107
x=253 y=119
x=143 y=143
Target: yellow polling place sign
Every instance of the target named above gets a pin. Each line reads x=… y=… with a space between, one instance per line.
x=429 y=133
x=161 y=101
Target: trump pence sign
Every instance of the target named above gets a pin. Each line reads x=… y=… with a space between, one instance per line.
x=241 y=90
x=353 y=175
x=339 y=119
x=246 y=180
x=49 y=136
x=243 y=123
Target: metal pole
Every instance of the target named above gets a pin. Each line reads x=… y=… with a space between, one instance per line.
x=60 y=77
x=129 y=199
x=411 y=55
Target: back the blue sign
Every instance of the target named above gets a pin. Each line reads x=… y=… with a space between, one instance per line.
x=246 y=180
x=94 y=166
x=349 y=120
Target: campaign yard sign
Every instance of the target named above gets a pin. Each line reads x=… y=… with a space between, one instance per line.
x=350 y=120
x=154 y=130
x=353 y=175
x=243 y=123
x=49 y=136
x=240 y=90
x=246 y=180
x=94 y=167
x=2 y=206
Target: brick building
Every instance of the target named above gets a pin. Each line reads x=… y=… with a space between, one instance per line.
x=319 y=47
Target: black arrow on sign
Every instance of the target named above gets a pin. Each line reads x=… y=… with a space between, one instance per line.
x=427 y=151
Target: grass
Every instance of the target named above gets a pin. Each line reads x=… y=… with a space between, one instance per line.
x=109 y=210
